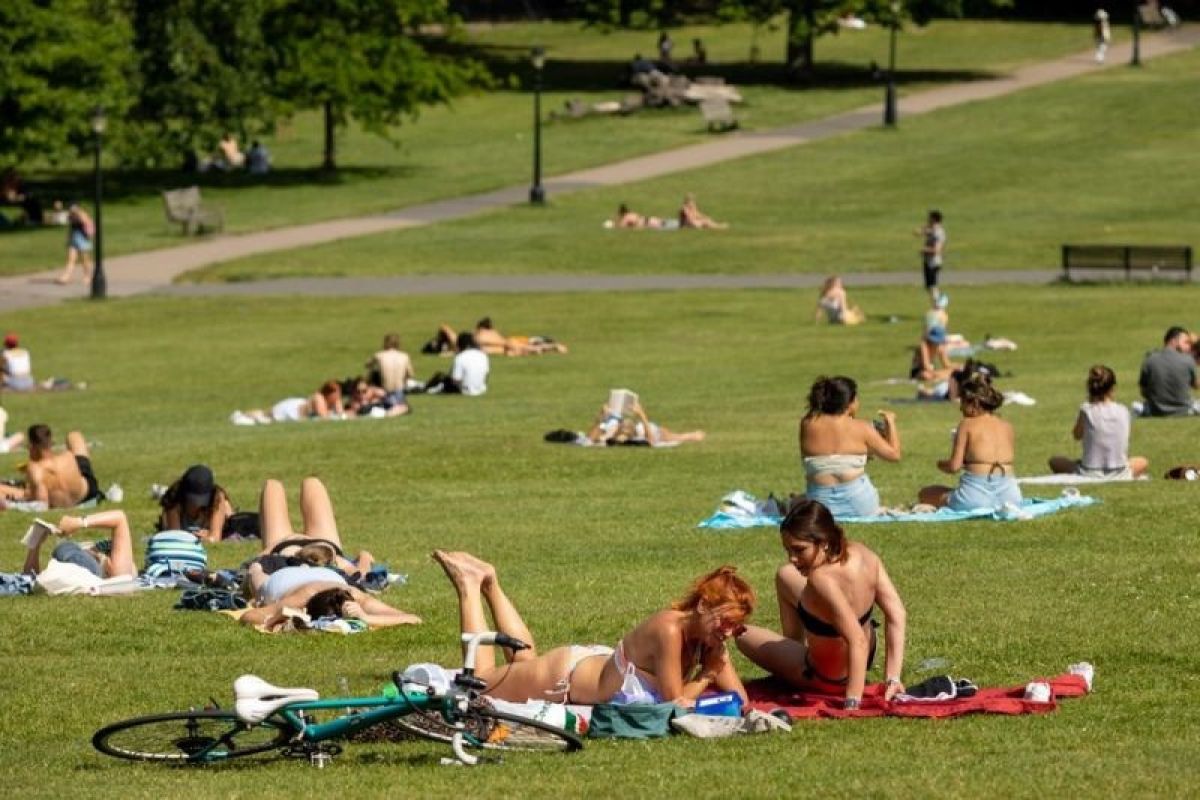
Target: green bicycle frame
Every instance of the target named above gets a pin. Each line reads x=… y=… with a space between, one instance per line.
x=382 y=708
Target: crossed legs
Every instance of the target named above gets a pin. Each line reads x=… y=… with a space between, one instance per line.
x=786 y=655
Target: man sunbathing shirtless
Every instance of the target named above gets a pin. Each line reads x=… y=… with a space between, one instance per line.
x=60 y=480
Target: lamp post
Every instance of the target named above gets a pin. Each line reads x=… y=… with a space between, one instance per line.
x=537 y=194
x=99 y=283
x=889 y=97
x=1135 y=58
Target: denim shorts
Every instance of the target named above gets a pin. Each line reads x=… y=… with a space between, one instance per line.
x=980 y=491
x=856 y=498
x=80 y=242
x=69 y=552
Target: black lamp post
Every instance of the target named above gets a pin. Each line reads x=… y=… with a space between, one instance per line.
x=99 y=283
x=537 y=194
x=1135 y=59
x=889 y=97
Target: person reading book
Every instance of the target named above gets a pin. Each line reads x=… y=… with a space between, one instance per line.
x=117 y=562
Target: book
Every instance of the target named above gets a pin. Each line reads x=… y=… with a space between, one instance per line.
x=37 y=533
x=621 y=402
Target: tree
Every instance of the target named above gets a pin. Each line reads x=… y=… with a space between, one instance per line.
x=61 y=59
x=202 y=73
x=371 y=60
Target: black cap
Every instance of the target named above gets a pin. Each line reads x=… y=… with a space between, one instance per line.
x=196 y=486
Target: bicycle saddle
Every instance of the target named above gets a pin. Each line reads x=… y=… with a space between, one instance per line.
x=256 y=699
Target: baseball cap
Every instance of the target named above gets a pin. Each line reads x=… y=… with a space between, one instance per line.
x=10 y=339
x=197 y=486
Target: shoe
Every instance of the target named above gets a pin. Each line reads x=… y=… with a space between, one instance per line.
x=1085 y=670
x=238 y=418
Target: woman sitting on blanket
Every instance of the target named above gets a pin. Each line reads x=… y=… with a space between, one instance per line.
x=307 y=570
x=1103 y=427
x=834 y=446
x=118 y=562
x=613 y=428
x=827 y=592
x=674 y=655
x=983 y=448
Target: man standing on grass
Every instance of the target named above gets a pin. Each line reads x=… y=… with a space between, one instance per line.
x=1168 y=377
x=934 y=236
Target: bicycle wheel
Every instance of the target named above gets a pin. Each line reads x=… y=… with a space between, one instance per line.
x=494 y=730
x=189 y=737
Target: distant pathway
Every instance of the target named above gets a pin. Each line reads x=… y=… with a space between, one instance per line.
x=148 y=271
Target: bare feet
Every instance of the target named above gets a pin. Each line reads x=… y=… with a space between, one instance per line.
x=61 y=281
x=463 y=569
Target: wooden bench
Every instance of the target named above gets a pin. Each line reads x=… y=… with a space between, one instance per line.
x=1150 y=258
x=185 y=207
x=718 y=115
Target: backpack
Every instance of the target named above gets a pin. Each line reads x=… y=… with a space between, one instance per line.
x=174 y=553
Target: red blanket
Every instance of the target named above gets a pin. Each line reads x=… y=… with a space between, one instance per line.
x=768 y=694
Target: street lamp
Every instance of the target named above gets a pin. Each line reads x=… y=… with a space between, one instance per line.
x=537 y=195
x=99 y=284
x=889 y=97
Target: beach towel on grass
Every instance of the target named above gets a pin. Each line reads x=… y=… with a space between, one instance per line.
x=1071 y=479
x=1030 y=508
x=768 y=694
x=37 y=506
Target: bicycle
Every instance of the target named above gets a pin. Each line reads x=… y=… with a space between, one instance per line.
x=269 y=719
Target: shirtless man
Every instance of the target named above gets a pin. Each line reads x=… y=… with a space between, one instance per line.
x=60 y=480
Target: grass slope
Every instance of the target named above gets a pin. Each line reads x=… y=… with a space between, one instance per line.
x=1016 y=178
x=591 y=541
x=483 y=142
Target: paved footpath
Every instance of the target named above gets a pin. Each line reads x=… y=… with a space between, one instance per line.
x=154 y=271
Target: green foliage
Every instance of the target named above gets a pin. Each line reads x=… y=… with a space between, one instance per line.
x=201 y=64
x=61 y=58
x=366 y=60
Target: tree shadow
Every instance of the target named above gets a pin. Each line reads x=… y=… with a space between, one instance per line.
x=512 y=64
x=122 y=184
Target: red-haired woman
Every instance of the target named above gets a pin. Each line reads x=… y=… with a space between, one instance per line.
x=674 y=655
x=827 y=593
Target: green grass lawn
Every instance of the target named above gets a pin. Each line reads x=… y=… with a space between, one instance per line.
x=483 y=142
x=1074 y=162
x=590 y=541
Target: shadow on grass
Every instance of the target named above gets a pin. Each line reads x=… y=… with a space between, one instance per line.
x=122 y=184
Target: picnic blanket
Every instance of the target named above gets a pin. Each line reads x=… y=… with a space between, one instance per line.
x=1031 y=507
x=768 y=694
x=1070 y=479
x=37 y=506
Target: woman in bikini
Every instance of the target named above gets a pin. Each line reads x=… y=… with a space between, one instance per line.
x=673 y=656
x=834 y=446
x=827 y=592
x=834 y=305
x=983 y=448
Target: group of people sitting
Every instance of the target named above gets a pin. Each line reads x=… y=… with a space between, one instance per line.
x=690 y=216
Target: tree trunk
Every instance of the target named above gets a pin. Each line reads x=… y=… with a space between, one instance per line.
x=624 y=13
x=329 y=163
x=802 y=22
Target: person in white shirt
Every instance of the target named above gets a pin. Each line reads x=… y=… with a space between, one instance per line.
x=16 y=366
x=468 y=375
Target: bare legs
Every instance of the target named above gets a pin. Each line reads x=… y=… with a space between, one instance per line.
x=75 y=256
x=475 y=582
x=667 y=435
x=316 y=511
x=1063 y=465
x=935 y=495
x=782 y=655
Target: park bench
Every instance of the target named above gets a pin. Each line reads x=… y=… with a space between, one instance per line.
x=185 y=207
x=1154 y=259
x=718 y=115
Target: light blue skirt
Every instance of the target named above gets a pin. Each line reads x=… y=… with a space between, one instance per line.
x=856 y=498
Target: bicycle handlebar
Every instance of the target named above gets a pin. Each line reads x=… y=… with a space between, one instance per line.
x=474 y=640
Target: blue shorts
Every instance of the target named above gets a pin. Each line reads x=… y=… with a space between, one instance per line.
x=856 y=498
x=980 y=491
x=80 y=242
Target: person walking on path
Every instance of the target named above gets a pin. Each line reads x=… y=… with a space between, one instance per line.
x=934 y=236
x=1101 y=33
x=80 y=233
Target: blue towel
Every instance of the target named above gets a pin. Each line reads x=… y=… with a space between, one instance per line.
x=1030 y=507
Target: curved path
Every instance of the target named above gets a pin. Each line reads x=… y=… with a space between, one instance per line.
x=154 y=271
